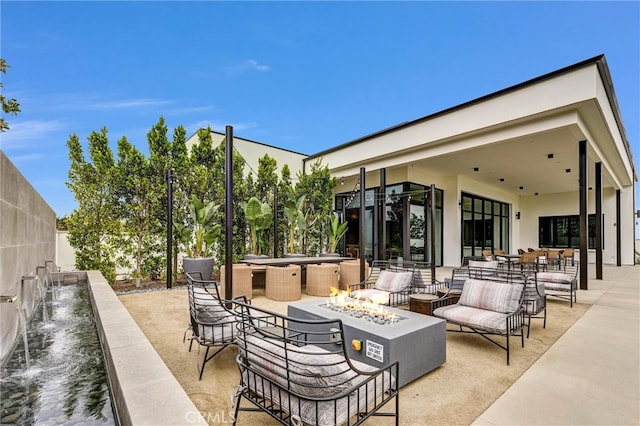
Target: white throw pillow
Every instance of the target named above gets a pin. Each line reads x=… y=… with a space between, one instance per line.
x=402 y=281
x=393 y=281
x=384 y=281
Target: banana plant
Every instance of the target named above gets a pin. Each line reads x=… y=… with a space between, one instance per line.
x=305 y=221
x=292 y=211
x=337 y=231
x=199 y=236
x=259 y=217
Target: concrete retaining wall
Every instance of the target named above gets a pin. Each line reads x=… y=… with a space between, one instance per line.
x=27 y=239
x=143 y=388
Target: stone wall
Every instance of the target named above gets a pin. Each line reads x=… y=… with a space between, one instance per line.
x=27 y=240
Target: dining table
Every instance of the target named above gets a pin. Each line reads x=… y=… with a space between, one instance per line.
x=302 y=260
x=260 y=263
x=511 y=259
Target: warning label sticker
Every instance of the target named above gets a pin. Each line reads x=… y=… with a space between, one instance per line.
x=375 y=351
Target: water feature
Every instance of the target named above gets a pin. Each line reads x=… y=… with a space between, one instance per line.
x=65 y=381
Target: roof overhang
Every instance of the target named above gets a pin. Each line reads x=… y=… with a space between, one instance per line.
x=510 y=135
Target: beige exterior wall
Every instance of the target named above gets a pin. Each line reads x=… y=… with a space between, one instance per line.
x=252 y=151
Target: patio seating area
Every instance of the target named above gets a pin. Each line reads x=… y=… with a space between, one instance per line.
x=587 y=352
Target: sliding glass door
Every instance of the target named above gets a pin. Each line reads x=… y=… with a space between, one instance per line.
x=485 y=225
x=405 y=220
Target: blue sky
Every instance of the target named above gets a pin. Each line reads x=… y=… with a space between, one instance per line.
x=304 y=76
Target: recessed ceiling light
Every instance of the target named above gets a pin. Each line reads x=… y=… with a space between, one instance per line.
x=549 y=155
x=476 y=169
x=535 y=193
x=501 y=179
x=567 y=170
x=522 y=187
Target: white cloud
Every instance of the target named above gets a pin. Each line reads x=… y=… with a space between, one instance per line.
x=191 y=110
x=89 y=101
x=252 y=64
x=246 y=66
x=21 y=160
x=128 y=103
x=29 y=130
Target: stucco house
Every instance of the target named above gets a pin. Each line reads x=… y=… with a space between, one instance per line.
x=505 y=171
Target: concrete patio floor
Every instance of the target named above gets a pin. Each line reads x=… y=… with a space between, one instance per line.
x=591 y=375
x=582 y=369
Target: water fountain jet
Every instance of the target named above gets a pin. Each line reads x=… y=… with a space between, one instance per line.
x=22 y=323
x=51 y=266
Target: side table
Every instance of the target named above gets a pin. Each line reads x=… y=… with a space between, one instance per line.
x=421 y=303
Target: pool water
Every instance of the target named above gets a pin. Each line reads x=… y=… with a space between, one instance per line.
x=66 y=382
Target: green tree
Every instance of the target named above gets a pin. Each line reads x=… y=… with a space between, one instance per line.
x=9 y=106
x=265 y=185
x=137 y=200
x=160 y=150
x=203 y=155
x=181 y=168
x=94 y=223
x=267 y=177
x=286 y=195
x=62 y=223
x=336 y=233
x=317 y=186
x=239 y=195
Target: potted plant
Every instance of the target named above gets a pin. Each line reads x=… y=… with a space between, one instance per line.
x=336 y=232
x=199 y=236
x=259 y=217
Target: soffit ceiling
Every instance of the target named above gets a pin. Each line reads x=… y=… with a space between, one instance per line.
x=524 y=161
x=520 y=157
x=521 y=163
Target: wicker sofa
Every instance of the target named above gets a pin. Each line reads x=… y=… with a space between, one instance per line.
x=307 y=377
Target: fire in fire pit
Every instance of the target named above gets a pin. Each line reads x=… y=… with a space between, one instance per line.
x=340 y=301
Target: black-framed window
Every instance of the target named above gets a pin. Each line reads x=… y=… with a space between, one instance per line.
x=564 y=231
x=485 y=225
x=406 y=216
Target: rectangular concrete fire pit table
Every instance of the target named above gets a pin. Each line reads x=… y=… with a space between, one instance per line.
x=417 y=341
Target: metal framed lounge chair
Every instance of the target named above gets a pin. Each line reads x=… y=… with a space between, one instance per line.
x=389 y=283
x=561 y=283
x=212 y=323
x=298 y=372
x=491 y=305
